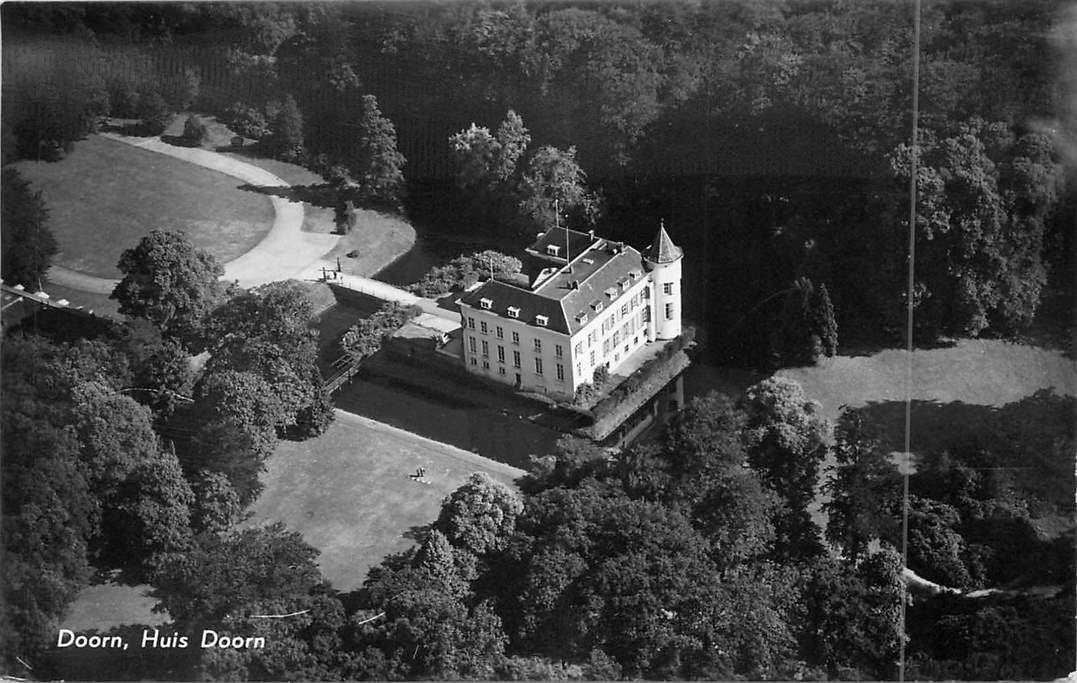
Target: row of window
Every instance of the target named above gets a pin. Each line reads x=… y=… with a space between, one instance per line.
x=558 y=350
x=559 y=367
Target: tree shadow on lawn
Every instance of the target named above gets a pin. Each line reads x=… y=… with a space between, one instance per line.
x=323 y=195
x=1032 y=437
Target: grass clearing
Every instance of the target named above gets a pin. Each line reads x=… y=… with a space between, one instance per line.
x=349 y=494
x=106 y=195
x=951 y=387
x=106 y=605
x=378 y=238
x=977 y=371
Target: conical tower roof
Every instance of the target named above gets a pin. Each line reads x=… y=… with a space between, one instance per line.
x=662 y=249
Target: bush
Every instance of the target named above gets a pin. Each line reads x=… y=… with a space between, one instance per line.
x=154 y=113
x=584 y=394
x=181 y=90
x=124 y=96
x=464 y=271
x=286 y=138
x=601 y=376
x=194 y=130
x=366 y=337
x=247 y=121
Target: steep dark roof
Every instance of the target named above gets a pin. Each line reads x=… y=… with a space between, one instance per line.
x=599 y=282
x=503 y=296
x=662 y=249
x=595 y=277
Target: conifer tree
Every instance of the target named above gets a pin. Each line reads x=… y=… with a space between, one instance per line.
x=378 y=168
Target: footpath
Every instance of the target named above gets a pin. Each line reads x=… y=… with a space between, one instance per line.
x=285 y=252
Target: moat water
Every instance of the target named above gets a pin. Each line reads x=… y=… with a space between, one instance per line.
x=508 y=434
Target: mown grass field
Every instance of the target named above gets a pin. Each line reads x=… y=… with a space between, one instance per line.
x=349 y=494
x=976 y=371
x=106 y=195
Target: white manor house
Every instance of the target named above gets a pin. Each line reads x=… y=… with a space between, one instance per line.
x=588 y=302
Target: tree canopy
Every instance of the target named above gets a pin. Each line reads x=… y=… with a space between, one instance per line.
x=170 y=283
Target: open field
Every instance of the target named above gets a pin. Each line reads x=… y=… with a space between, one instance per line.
x=106 y=195
x=952 y=390
x=977 y=371
x=103 y=606
x=349 y=494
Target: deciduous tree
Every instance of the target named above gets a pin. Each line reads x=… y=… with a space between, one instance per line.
x=170 y=283
x=787 y=438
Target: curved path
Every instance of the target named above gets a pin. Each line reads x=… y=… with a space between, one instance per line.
x=285 y=252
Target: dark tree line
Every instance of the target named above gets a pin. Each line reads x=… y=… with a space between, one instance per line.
x=769 y=135
x=118 y=454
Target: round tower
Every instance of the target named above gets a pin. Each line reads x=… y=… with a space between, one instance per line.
x=663 y=261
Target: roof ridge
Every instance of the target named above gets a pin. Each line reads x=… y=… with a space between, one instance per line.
x=662 y=249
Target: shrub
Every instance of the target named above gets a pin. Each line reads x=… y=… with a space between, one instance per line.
x=585 y=393
x=365 y=338
x=464 y=271
x=124 y=97
x=194 y=130
x=601 y=376
x=286 y=139
x=247 y=121
x=181 y=90
x=154 y=113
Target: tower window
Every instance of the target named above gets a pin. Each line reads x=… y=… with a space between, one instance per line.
x=667 y=288
x=669 y=311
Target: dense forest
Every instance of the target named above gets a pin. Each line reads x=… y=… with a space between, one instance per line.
x=773 y=140
x=772 y=137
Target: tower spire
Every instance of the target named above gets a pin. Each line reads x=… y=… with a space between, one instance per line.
x=662 y=249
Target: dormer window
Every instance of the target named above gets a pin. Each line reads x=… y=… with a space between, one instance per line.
x=623 y=284
x=553 y=249
x=596 y=305
x=485 y=303
x=611 y=292
x=542 y=320
x=582 y=318
x=513 y=312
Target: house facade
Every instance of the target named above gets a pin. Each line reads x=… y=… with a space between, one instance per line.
x=587 y=302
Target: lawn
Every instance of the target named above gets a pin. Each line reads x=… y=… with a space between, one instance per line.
x=103 y=606
x=951 y=387
x=349 y=494
x=106 y=195
x=378 y=238
x=977 y=371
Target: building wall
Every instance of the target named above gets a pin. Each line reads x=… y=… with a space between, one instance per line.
x=667 y=308
x=630 y=325
x=594 y=344
x=514 y=352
